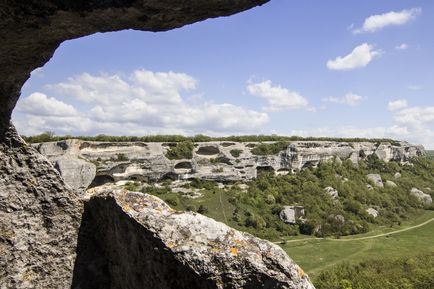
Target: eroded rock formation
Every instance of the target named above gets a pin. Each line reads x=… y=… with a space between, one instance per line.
x=139 y=161
x=39 y=214
x=39 y=219
x=134 y=240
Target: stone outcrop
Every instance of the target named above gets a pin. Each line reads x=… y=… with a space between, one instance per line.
x=423 y=197
x=139 y=161
x=373 y=212
x=39 y=219
x=134 y=240
x=333 y=193
x=391 y=184
x=375 y=179
x=290 y=214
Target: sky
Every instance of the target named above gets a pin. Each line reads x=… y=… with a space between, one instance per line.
x=310 y=68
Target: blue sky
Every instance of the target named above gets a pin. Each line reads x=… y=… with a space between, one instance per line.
x=321 y=68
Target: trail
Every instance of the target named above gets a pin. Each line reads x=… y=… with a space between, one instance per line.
x=223 y=208
x=361 y=238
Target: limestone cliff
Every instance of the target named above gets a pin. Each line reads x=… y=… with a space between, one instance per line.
x=140 y=161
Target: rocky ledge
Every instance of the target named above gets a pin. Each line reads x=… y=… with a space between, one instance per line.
x=85 y=163
x=134 y=240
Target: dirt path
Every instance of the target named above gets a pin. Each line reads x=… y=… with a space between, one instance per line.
x=223 y=208
x=361 y=238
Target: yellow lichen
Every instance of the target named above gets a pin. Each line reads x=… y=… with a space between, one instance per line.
x=234 y=251
x=300 y=272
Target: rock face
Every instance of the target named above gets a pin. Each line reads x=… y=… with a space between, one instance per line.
x=373 y=212
x=331 y=192
x=210 y=161
x=134 y=240
x=39 y=214
x=376 y=179
x=39 y=219
x=290 y=214
x=423 y=197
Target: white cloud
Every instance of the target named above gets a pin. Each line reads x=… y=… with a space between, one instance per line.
x=402 y=46
x=397 y=104
x=416 y=116
x=278 y=98
x=350 y=99
x=361 y=56
x=143 y=103
x=377 y=22
x=39 y=104
x=414 y=87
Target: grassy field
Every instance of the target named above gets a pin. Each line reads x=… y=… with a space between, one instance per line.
x=315 y=255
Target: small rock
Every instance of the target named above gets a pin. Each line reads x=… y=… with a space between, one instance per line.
x=425 y=198
x=397 y=175
x=376 y=179
x=391 y=184
x=332 y=192
x=373 y=212
x=290 y=214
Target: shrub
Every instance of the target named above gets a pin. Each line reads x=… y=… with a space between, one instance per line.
x=236 y=152
x=182 y=150
x=132 y=186
x=265 y=149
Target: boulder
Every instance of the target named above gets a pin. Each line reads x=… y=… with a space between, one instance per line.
x=134 y=240
x=76 y=172
x=423 y=197
x=373 y=212
x=332 y=192
x=391 y=184
x=376 y=180
x=397 y=175
x=290 y=214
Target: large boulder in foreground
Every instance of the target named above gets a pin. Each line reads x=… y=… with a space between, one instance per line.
x=134 y=240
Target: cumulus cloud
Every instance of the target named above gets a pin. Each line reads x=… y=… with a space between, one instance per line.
x=144 y=102
x=361 y=56
x=377 y=22
x=40 y=104
x=277 y=97
x=350 y=99
x=397 y=104
x=402 y=46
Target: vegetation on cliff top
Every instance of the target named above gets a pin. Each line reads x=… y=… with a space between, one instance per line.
x=50 y=136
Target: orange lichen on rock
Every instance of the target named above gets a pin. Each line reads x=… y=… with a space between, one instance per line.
x=300 y=272
x=234 y=251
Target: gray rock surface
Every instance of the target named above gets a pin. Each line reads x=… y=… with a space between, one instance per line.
x=423 y=197
x=373 y=212
x=375 y=179
x=134 y=240
x=76 y=172
x=391 y=184
x=210 y=161
x=331 y=192
x=39 y=219
x=290 y=214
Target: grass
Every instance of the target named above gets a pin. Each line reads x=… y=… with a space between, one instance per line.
x=315 y=255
